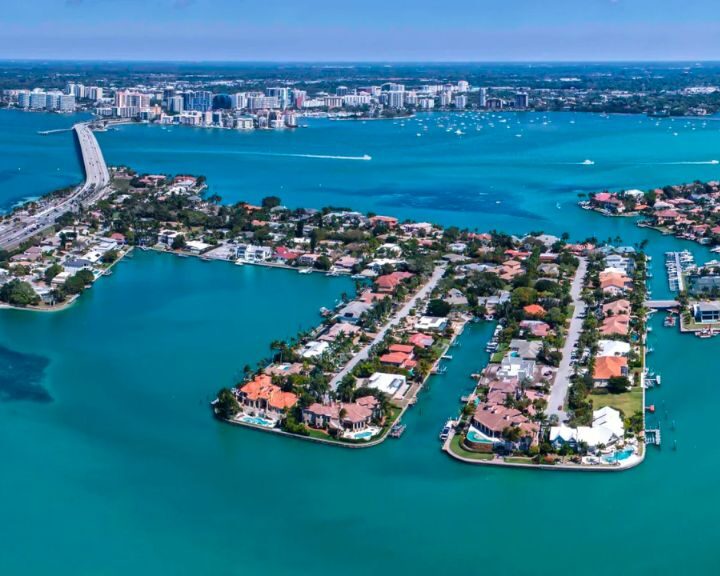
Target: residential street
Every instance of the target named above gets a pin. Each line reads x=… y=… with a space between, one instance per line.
x=559 y=390
x=396 y=318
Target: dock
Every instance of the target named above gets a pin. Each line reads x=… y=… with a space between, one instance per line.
x=652 y=436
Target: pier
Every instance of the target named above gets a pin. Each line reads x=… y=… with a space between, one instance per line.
x=652 y=436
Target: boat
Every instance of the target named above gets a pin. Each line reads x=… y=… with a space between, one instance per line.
x=239 y=262
x=588 y=163
x=306 y=271
x=358 y=277
x=445 y=432
x=397 y=430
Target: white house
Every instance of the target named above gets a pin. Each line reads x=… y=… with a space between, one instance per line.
x=431 y=323
x=390 y=384
x=607 y=428
x=252 y=253
x=313 y=349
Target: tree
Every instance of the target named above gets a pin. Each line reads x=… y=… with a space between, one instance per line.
x=178 y=242
x=110 y=256
x=51 y=272
x=270 y=202
x=227 y=405
x=18 y=293
x=438 y=307
x=618 y=384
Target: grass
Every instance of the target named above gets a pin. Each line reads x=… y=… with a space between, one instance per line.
x=627 y=402
x=456 y=448
x=518 y=460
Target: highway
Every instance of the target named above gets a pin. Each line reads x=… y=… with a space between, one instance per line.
x=97 y=177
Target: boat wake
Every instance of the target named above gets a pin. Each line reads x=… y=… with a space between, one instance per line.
x=365 y=157
x=691 y=163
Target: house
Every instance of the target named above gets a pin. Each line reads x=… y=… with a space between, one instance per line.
x=526 y=349
x=535 y=328
x=388 y=221
x=613 y=348
x=167 y=237
x=390 y=384
x=607 y=367
x=253 y=253
x=400 y=356
x=74 y=265
x=351 y=416
x=706 y=312
x=431 y=323
x=314 y=349
x=60 y=279
x=456 y=298
x=615 y=325
x=284 y=369
x=197 y=247
x=616 y=308
x=607 y=428
x=614 y=283
x=353 y=311
x=346 y=262
x=261 y=394
x=512 y=366
x=389 y=282
x=285 y=254
x=421 y=340
x=339 y=330
x=493 y=419
x=534 y=310
x=308 y=259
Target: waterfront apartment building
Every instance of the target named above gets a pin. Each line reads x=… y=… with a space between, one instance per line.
x=522 y=100
x=482 y=97
x=396 y=98
x=460 y=101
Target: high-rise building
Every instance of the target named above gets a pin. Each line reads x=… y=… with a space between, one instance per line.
x=341 y=91
x=239 y=101
x=445 y=98
x=482 y=97
x=282 y=94
x=175 y=104
x=299 y=97
x=23 y=98
x=396 y=98
x=522 y=100
x=38 y=100
x=463 y=86
x=460 y=101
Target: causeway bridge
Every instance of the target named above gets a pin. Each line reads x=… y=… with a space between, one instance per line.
x=97 y=177
x=661 y=304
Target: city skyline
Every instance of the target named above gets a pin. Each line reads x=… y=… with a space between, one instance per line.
x=372 y=31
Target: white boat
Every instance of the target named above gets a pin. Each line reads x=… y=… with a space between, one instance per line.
x=588 y=163
x=306 y=271
x=239 y=262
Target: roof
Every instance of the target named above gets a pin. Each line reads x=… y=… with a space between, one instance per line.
x=534 y=310
x=607 y=367
x=262 y=388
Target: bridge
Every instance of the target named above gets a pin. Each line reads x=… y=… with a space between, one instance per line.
x=661 y=304
x=97 y=177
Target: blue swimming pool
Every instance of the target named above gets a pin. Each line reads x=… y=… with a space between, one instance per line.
x=477 y=438
x=619 y=456
x=257 y=421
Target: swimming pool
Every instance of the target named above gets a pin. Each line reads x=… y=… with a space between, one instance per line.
x=477 y=438
x=257 y=421
x=619 y=456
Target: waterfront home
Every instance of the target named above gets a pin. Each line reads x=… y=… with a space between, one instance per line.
x=615 y=325
x=534 y=311
x=394 y=385
x=284 y=369
x=536 y=328
x=513 y=366
x=608 y=201
x=368 y=296
x=314 y=349
x=400 y=356
x=353 y=311
x=74 y=265
x=607 y=428
x=389 y=282
x=388 y=221
x=60 y=279
x=706 y=312
x=262 y=395
x=431 y=323
x=607 y=367
x=167 y=237
x=616 y=308
x=526 y=349
x=353 y=416
x=253 y=253
x=197 y=247
x=614 y=283
x=494 y=420
x=613 y=348
x=308 y=259
x=421 y=340
x=346 y=263
x=338 y=330
x=285 y=254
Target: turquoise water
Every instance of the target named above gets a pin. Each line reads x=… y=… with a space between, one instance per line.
x=112 y=463
x=31 y=164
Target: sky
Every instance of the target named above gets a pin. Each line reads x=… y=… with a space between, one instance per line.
x=361 y=30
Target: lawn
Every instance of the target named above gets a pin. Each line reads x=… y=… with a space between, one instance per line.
x=628 y=402
x=460 y=451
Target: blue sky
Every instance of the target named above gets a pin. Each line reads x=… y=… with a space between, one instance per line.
x=374 y=30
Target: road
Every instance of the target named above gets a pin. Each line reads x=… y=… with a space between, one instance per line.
x=394 y=321
x=97 y=178
x=560 y=386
